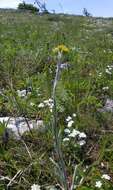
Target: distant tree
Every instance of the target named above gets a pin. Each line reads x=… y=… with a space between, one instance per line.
x=86 y=13
x=29 y=7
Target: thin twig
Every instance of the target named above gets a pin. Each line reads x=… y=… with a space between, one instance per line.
x=11 y=181
x=27 y=149
x=3 y=178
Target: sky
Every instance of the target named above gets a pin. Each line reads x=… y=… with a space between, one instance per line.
x=95 y=7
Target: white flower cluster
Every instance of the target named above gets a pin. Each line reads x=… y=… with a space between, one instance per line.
x=73 y=133
x=35 y=187
x=109 y=69
x=48 y=103
x=100 y=74
x=105 y=88
x=99 y=183
x=106 y=176
x=23 y=93
x=70 y=121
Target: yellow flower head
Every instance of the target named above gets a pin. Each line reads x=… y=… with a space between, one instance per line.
x=61 y=48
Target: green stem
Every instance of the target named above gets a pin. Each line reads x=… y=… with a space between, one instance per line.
x=56 y=131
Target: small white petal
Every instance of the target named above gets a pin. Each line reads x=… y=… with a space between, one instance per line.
x=32 y=104
x=98 y=184
x=41 y=105
x=82 y=142
x=74 y=114
x=100 y=74
x=66 y=139
x=51 y=110
x=108 y=72
x=105 y=88
x=50 y=100
x=46 y=102
x=102 y=164
x=70 y=123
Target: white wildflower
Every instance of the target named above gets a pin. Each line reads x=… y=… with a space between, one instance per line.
x=105 y=88
x=51 y=110
x=82 y=135
x=100 y=74
x=110 y=68
x=41 y=105
x=102 y=164
x=74 y=133
x=108 y=72
x=70 y=123
x=21 y=93
x=106 y=176
x=64 y=66
x=73 y=48
x=66 y=139
x=49 y=103
x=50 y=100
x=46 y=102
x=98 y=184
x=68 y=118
x=66 y=130
x=32 y=104
x=74 y=114
x=82 y=142
x=35 y=187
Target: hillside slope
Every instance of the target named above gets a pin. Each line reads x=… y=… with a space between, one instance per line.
x=84 y=99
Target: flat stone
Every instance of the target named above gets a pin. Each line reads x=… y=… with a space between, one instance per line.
x=19 y=125
x=108 y=107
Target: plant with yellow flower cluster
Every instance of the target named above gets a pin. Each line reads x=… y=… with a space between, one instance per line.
x=61 y=49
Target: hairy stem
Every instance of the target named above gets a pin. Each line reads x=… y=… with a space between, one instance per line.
x=56 y=131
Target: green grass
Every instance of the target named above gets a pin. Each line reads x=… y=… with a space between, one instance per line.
x=27 y=60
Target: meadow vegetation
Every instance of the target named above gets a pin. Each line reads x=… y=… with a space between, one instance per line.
x=28 y=60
